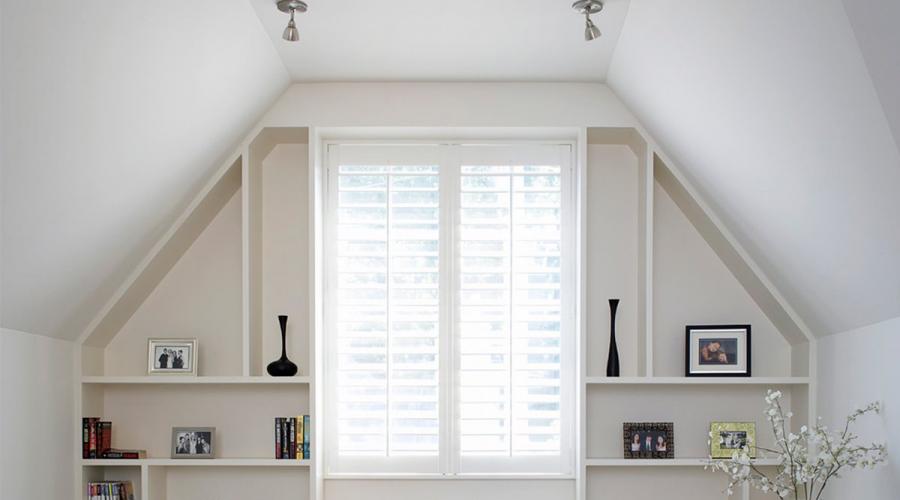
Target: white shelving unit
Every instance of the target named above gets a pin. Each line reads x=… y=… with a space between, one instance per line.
x=726 y=381
x=650 y=240
x=675 y=462
x=267 y=245
x=244 y=232
x=214 y=462
x=178 y=380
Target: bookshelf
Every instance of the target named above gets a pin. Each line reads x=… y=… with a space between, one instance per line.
x=248 y=248
x=650 y=240
x=244 y=250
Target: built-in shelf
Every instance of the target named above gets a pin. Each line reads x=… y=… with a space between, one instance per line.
x=212 y=462
x=164 y=379
x=661 y=462
x=773 y=381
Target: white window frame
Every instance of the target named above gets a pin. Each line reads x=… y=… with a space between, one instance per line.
x=450 y=156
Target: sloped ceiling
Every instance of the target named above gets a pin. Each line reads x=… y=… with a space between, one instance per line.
x=114 y=113
x=770 y=111
x=875 y=25
x=435 y=40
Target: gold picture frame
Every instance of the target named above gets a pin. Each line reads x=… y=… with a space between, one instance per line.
x=726 y=438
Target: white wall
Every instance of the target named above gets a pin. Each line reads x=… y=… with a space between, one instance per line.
x=36 y=416
x=109 y=127
x=855 y=368
x=768 y=108
x=449 y=105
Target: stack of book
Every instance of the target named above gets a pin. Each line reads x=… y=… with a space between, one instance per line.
x=292 y=437
x=110 y=490
x=96 y=441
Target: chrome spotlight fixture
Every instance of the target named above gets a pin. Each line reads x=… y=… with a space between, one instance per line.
x=588 y=7
x=290 y=6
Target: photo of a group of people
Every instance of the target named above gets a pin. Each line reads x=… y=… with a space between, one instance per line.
x=196 y=442
x=172 y=357
x=649 y=439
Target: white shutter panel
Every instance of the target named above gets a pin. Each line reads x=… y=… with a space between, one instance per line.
x=509 y=315
x=387 y=311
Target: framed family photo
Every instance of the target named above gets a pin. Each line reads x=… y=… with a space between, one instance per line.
x=649 y=439
x=717 y=351
x=726 y=438
x=172 y=357
x=193 y=442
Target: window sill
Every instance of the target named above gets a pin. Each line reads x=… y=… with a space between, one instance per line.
x=450 y=477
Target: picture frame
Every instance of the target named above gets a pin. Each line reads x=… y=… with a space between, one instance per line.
x=717 y=351
x=726 y=438
x=172 y=356
x=193 y=442
x=648 y=440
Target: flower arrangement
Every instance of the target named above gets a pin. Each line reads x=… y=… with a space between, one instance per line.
x=806 y=461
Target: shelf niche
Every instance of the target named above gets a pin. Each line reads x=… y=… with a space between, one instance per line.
x=190 y=288
x=278 y=216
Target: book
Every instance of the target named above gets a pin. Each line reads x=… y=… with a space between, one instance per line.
x=114 y=453
x=298 y=449
x=292 y=448
x=306 y=437
x=105 y=441
x=110 y=490
x=278 y=437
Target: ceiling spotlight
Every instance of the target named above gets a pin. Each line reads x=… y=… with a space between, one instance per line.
x=588 y=7
x=291 y=33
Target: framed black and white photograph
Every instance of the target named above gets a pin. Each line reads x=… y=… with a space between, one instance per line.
x=649 y=439
x=193 y=442
x=728 y=438
x=172 y=357
x=717 y=351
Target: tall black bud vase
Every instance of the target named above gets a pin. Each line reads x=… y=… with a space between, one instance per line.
x=612 y=363
x=282 y=367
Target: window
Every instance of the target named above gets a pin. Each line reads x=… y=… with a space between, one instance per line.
x=449 y=309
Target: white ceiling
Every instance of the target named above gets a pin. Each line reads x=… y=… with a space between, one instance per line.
x=434 y=40
x=110 y=125
x=771 y=112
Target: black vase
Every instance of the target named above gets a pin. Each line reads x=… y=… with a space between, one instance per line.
x=612 y=362
x=282 y=367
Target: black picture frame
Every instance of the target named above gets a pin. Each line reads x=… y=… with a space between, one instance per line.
x=644 y=429
x=689 y=338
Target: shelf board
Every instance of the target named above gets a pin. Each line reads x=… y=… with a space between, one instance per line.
x=210 y=462
x=173 y=379
x=662 y=462
x=773 y=381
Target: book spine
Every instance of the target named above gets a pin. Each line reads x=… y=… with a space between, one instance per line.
x=306 y=431
x=277 y=437
x=292 y=448
x=85 y=439
x=92 y=438
x=105 y=436
x=298 y=449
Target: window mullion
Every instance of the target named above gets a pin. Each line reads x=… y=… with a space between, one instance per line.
x=449 y=189
x=510 y=313
x=389 y=322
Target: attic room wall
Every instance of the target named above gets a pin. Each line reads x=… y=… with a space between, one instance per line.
x=857 y=367
x=36 y=406
x=109 y=127
x=770 y=113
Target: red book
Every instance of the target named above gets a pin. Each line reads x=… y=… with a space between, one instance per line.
x=278 y=437
x=105 y=437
